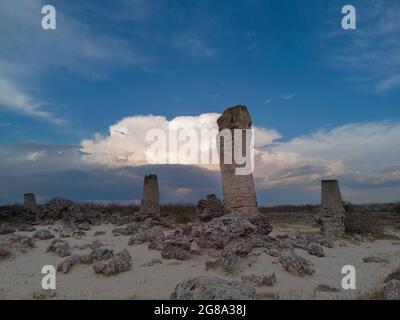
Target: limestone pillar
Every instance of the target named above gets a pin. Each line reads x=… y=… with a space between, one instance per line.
x=238 y=190
x=332 y=210
x=30 y=201
x=150 y=204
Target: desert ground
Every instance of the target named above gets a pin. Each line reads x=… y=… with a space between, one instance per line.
x=154 y=275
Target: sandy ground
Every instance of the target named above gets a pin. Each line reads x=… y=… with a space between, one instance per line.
x=21 y=275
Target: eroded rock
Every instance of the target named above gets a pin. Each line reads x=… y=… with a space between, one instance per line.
x=211 y=288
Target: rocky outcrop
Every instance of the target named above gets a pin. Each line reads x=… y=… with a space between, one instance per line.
x=66 y=265
x=209 y=288
x=293 y=263
x=176 y=249
x=60 y=248
x=315 y=250
x=120 y=263
x=233 y=227
x=210 y=208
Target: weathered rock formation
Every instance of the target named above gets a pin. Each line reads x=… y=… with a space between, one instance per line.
x=30 y=201
x=238 y=189
x=150 y=204
x=207 y=288
x=210 y=208
x=332 y=213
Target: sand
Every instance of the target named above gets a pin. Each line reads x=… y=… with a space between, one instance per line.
x=21 y=275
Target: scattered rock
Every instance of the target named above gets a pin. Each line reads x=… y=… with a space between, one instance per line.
x=260 y=280
x=102 y=254
x=43 y=235
x=375 y=259
x=152 y=262
x=210 y=208
x=213 y=265
x=391 y=290
x=5 y=229
x=59 y=247
x=4 y=254
x=210 y=288
x=99 y=233
x=154 y=235
x=326 y=288
x=84 y=226
x=315 y=250
x=129 y=230
x=295 y=264
x=176 y=249
x=21 y=241
x=66 y=265
x=43 y=294
x=229 y=261
x=393 y=276
x=120 y=263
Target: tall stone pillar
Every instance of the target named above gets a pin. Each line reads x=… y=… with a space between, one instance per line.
x=150 y=204
x=238 y=190
x=30 y=201
x=332 y=211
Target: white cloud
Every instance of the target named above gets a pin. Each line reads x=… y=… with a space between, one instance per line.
x=126 y=143
x=12 y=97
x=361 y=153
x=371 y=53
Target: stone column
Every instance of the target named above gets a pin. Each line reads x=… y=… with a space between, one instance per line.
x=150 y=204
x=238 y=190
x=332 y=211
x=30 y=201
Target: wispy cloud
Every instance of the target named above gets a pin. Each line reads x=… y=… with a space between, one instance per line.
x=371 y=52
x=13 y=98
x=193 y=44
x=287 y=96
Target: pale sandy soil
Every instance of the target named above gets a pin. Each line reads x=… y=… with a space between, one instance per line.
x=21 y=275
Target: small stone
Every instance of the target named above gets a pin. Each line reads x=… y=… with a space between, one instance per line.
x=44 y=294
x=176 y=249
x=120 y=263
x=211 y=288
x=295 y=264
x=315 y=250
x=4 y=254
x=99 y=233
x=5 y=229
x=375 y=259
x=152 y=262
x=326 y=288
x=102 y=254
x=59 y=247
x=66 y=265
x=43 y=235
x=391 y=290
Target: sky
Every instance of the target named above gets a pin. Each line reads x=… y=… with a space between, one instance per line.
x=76 y=102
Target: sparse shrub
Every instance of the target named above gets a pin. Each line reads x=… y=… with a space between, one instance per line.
x=362 y=225
x=396 y=208
x=348 y=207
x=181 y=213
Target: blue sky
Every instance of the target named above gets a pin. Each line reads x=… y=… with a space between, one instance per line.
x=290 y=62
